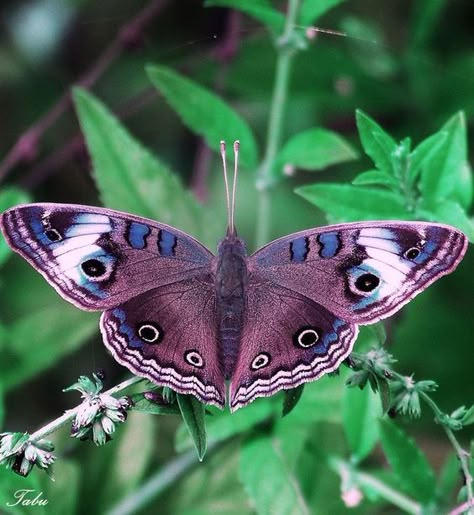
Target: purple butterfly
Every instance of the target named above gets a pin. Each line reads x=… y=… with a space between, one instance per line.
x=182 y=317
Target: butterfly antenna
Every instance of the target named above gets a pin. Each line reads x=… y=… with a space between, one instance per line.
x=234 y=185
x=227 y=193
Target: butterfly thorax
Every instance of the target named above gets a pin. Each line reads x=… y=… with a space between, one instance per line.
x=231 y=285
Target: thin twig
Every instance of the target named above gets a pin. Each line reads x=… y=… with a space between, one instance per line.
x=26 y=147
x=54 y=425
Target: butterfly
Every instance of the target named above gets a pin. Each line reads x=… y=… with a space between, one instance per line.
x=185 y=318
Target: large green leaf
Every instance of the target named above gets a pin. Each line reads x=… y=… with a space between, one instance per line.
x=377 y=144
x=314 y=149
x=268 y=479
x=205 y=113
x=409 y=464
x=423 y=152
x=193 y=414
x=343 y=202
x=370 y=177
x=130 y=178
x=446 y=174
x=10 y=483
x=63 y=493
x=9 y=197
x=361 y=409
x=311 y=10
x=40 y=339
x=261 y=10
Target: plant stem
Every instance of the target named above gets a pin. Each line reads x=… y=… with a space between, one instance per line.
x=158 y=483
x=70 y=414
x=398 y=499
x=286 y=52
x=463 y=456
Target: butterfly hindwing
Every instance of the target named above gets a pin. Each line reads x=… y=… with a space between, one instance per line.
x=362 y=272
x=168 y=335
x=98 y=258
x=287 y=340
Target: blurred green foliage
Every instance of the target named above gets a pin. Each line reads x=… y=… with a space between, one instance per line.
x=407 y=69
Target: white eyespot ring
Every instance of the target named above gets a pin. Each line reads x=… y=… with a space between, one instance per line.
x=150 y=333
x=260 y=361
x=307 y=338
x=193 y=358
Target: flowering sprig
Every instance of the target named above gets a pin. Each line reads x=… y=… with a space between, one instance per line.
x=99 y=413
x=402 y=394
x=19 y=453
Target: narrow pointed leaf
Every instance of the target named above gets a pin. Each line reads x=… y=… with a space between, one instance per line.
x=193 y=414
x=360 y=411
x=343 y=202
x=423 y=152
x=130 y=178
x=445 y=174
x=204 y=112
x=375 y=177
x=409 y=464
x=377 y=144
x=261 y=456
x=314 y=149
x=261 y=10
x=291 y=399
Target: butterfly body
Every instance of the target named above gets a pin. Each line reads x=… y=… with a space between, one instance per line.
x=231 y=278
x=182 y=317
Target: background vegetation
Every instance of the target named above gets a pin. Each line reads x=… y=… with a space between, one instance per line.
x=173 y=78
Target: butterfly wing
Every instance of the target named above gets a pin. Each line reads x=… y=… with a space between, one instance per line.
x=168 y=335
x=308 y=291
x=98 y=258
x=154 y=282
x=362 y=272
x=287 y=340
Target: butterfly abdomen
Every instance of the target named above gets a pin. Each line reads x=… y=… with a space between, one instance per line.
x=231 y=286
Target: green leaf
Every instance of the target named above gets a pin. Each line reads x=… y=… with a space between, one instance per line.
x=375 y=177
x=205 y=113
x=468 y=417
x=314 y=149
x=130 y=178
x=63 y=329
x=133 y=454
x=225 y=424
x=449 y=212
x=311 y=10
x=261 y=10
x=62 y=493
x=448 y=478
x=291 y=399
x=360 y=411
x=193 y=413
x=9 y=197
x=268 y=480
x=377 y=144
x=422 y=153
x=409 y=464
x=343 y=202
x=143 y=405
x=11 y=483
x=445 y=174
